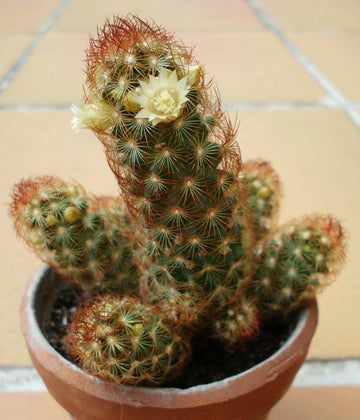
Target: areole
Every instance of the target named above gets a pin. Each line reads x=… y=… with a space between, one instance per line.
x=246 y=396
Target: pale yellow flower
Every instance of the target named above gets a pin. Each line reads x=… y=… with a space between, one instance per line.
x=97 y=117
x=163 y=97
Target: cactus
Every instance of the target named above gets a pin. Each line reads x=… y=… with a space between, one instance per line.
x=239 y=321
x=87 y=240
x=173 y=152
x=197 y=248
x=125 y=340
x=296 y=262
x=264 y=189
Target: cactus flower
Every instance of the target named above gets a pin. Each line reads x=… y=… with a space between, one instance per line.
x=162 y=98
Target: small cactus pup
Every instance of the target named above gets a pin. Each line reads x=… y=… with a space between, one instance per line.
x=124 y=340
x=296 y=262
x=88 y=240
x=239 y=321
x=264 y=194
x=174 y=154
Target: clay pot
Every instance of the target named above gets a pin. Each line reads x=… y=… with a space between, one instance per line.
x=246 y=396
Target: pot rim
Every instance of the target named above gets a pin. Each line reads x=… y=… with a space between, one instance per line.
x=266 y=371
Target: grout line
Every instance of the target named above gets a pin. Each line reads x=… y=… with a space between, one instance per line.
x=16 y=67
x=338 y=97
x=35 y=107
x=329 y=373
x=277 y=106
x=335 y=372
x=20 y=379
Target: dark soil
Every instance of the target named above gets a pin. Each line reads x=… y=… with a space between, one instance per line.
x=210 y=362
x=55 y=327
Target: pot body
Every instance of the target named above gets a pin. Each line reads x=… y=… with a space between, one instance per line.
x=246 y=396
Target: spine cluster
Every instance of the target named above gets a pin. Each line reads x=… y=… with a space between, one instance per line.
x=87 y=240
x=264 y=193
x=125 y=340
x=296 y=262
x=173 y=152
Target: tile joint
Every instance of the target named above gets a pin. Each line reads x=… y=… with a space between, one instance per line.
x=338 y=97
x=315 y=372
x=45 y=27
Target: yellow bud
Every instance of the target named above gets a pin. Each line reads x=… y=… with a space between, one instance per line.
x=264 y=192
x=72 y=190
x=129 y=103
x=72 y=214
x=138 y=329
x=36 y=238
x=51 y=220
x=194 y=75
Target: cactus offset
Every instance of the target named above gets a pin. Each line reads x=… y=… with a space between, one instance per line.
x=87 y=240
x=296 y=262
x=264 y=190
x=125 y=340
x=238 y=321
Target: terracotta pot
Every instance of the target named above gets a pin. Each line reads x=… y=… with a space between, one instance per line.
x=246 y=396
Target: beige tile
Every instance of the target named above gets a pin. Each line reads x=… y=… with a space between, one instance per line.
x=314 y=15
x=186 y=15
x=31 y=406
x=246 y=67
x=253 y=67
x=25 y=15
x=53 y=74
x=326 y=403
x=337 y=55
x=37 y=143
x=11 y=47
x=316 y=153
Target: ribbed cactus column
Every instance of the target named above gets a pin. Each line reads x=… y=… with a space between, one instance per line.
x=173 y=153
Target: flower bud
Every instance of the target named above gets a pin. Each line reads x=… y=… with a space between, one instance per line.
x=72 y=214
x=129 y=103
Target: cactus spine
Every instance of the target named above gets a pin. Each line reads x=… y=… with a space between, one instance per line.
x=87 y=240
x=125 y=340
x=173 y=152
x=296 y=262
x=264 y=190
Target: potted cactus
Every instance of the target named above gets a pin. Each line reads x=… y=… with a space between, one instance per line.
x=190 y=253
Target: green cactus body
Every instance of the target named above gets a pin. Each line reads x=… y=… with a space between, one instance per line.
x=86 y=240
x=264 y=189
x=174 y=155
x=238 y=322
x=296 y=262
x=124 y=340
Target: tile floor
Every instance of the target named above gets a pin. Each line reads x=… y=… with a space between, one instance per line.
x=289 y=69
